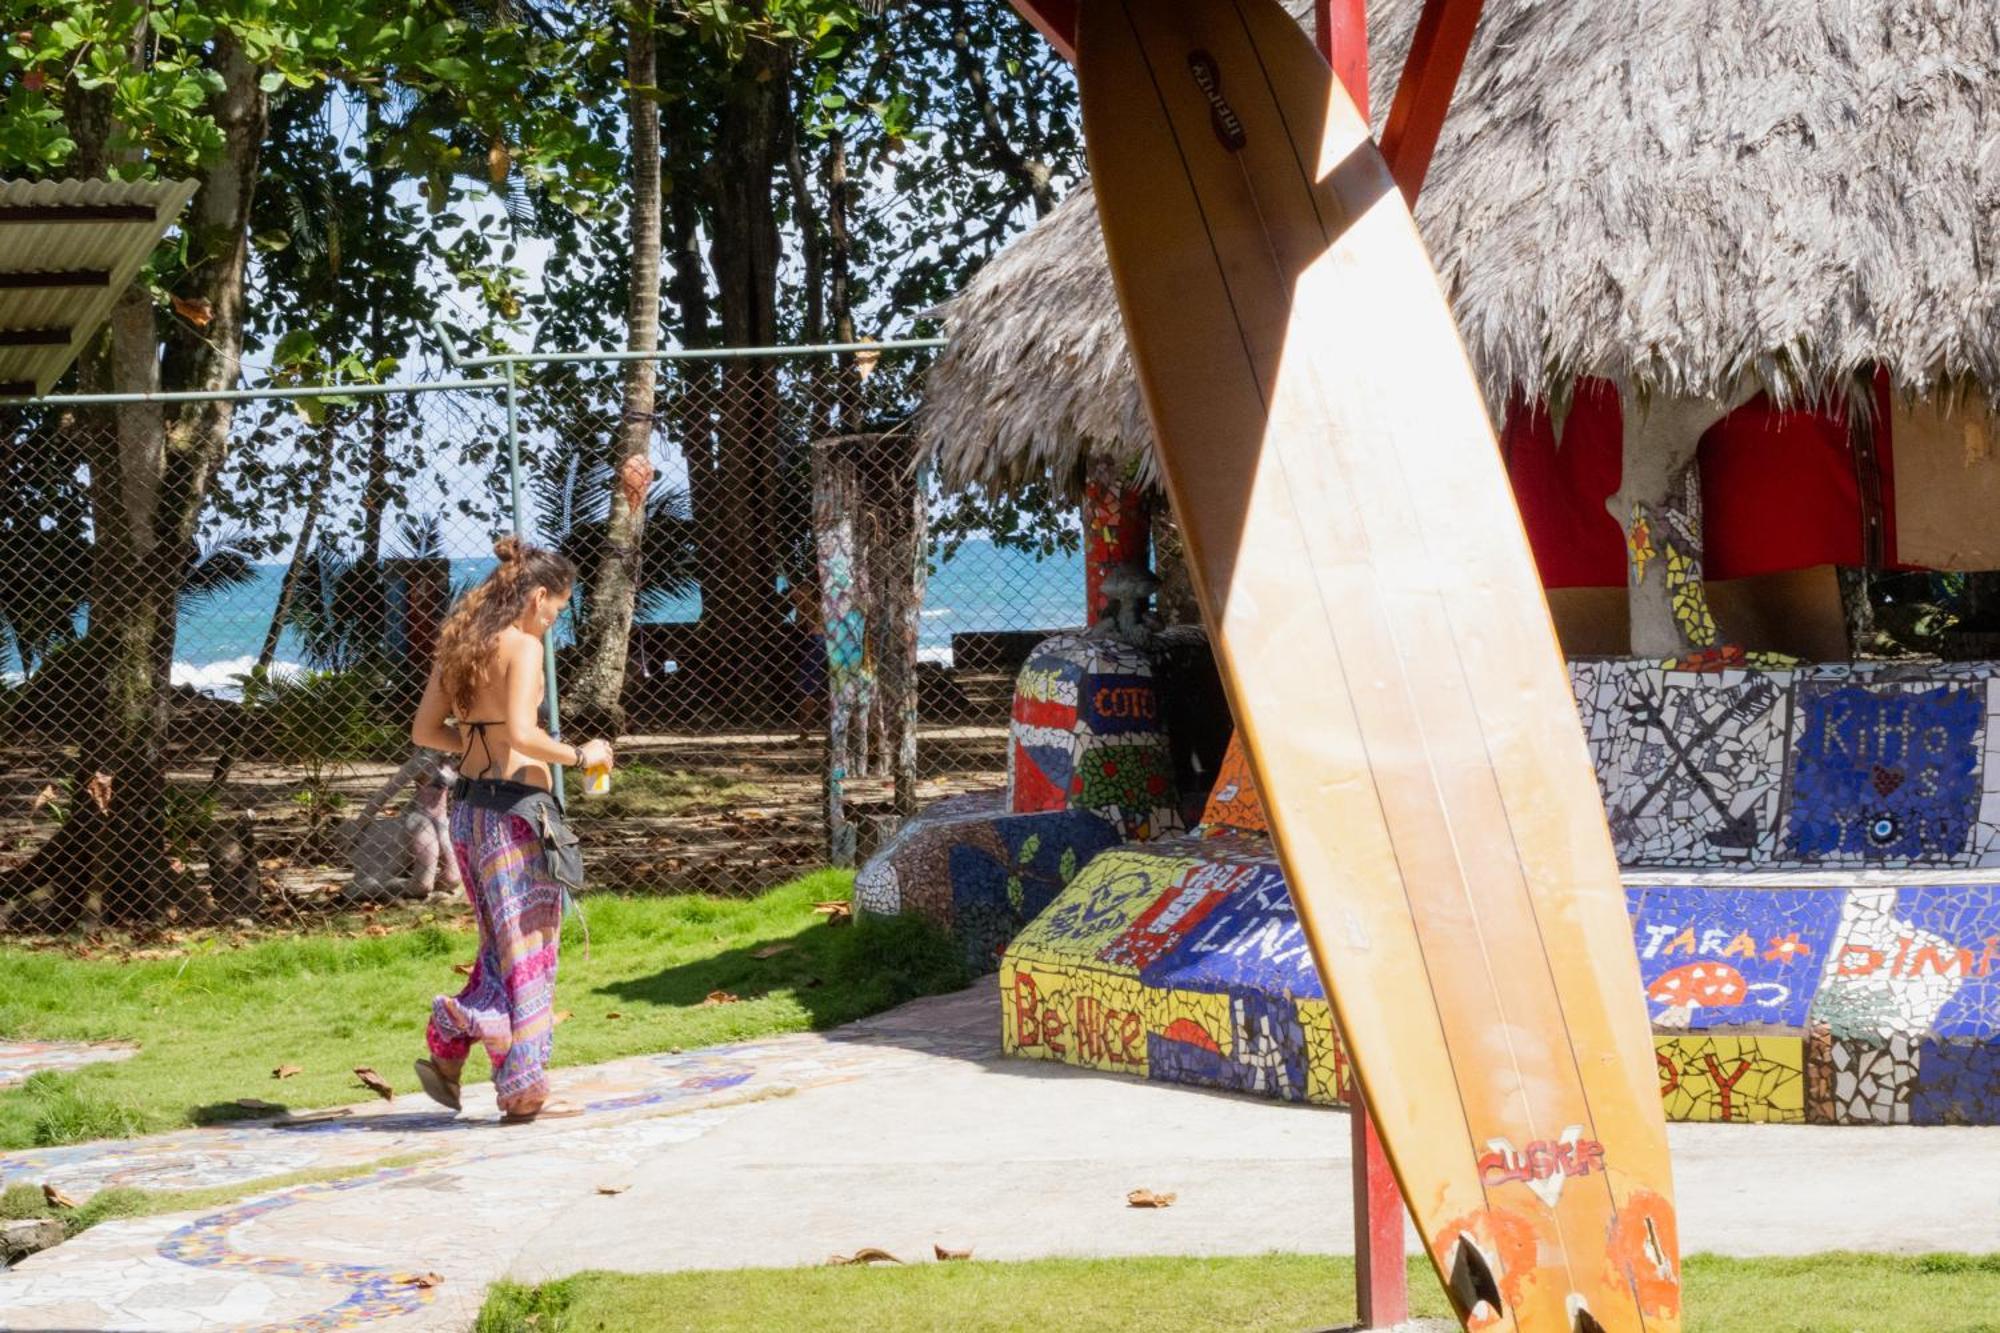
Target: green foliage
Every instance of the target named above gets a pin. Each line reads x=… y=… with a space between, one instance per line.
x=61 y=1109
x=319 y=722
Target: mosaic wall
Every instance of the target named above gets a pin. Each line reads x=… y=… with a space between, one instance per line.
x=1859 y=1004
x=1087 y=735
x=977 y=870
x=1183 y=962
x=1745 y=768
x=1808 y=767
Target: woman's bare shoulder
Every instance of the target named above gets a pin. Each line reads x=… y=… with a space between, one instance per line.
x=516 y=647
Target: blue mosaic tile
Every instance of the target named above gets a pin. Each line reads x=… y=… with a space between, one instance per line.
x=1957 y=1083
x=1732 y=957
x=1251 y=939
x=1885 y=774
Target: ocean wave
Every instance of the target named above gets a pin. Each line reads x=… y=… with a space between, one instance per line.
x=221 y=680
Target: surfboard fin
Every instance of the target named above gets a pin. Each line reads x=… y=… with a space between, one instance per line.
x=1472 y=1279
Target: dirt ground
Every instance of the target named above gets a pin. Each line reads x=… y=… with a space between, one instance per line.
x=729 y=813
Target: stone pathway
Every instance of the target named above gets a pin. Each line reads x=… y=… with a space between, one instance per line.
x=19 y=1060
x=903 y=1132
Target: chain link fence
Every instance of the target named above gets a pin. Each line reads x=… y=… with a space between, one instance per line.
x=216 y=618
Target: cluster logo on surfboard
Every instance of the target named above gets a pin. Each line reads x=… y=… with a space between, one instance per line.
x=1544 y=1165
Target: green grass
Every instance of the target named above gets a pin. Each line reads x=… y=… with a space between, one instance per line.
x=644 y=789
x=20 y=1201
x=1822 y=1294
x=214 y=1022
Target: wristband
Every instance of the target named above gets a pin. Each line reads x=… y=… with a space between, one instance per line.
x=578 y=751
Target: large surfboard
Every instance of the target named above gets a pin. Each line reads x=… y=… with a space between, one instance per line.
x=1389 y=657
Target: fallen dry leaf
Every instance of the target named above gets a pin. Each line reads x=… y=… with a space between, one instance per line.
x=286 y=1071
x=716 y=997
x=44 y=798
x=1148 y=1199
x=424 y=1280
x=563 y=1016
x=375 y=928
x=375 y=1083
x=866 y=1255
x=770 y=951
x=55 y=1198
x=196 y=312
x=612 y=1189
x=951 y=1256
x=463 y=969
x=614 y=1015
x=260 y=1106
x=836 y=913
x=99 y=791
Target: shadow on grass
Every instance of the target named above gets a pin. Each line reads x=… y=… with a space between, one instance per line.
x=837 y=974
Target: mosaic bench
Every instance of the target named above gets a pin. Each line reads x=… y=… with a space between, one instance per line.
x=1835 y=998
x=1088 y=766
x=978 y=870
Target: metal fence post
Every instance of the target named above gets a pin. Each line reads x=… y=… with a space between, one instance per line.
x=517 y=490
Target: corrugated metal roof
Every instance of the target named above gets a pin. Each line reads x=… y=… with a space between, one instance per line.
x=67 y=249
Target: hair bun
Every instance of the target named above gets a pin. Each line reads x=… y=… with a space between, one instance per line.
x=509 y=550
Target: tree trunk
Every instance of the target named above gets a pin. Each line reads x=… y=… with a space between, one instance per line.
x=597 y=691
x=364 y=589
x=746 y=523
x=1658 y=505
x=150 y=475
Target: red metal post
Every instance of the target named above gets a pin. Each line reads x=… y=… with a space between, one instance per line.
x=1055 y=20
x=1381 y=1274
x=1423 y=95
x=1341 y=27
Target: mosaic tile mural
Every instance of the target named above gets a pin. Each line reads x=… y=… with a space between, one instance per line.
x=1871 y=765
x=1182 y=962
x=970 y=866
x=1087 y=734
x=1773 y=999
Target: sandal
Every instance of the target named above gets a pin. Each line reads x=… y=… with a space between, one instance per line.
x=550 y=1110
x=439 y=1087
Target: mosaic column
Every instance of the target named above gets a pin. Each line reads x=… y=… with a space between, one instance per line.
x=1116 y=529
x=1658 y=505
x=843 y=627
x=870 y=527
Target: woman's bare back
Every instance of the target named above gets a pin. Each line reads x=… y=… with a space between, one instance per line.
x=484 y=725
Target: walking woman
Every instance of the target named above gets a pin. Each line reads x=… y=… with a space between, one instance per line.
x=483 y=700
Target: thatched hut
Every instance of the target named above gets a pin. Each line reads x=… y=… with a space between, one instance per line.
x=1730 y=275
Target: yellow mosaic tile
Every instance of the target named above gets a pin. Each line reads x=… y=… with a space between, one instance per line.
x=1759 y=1079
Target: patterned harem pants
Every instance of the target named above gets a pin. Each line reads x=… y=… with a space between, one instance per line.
x=508 y=1004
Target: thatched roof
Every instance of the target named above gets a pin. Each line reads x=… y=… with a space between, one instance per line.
x=1690 y=195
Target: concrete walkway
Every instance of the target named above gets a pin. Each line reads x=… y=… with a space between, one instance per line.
x=903 y=1132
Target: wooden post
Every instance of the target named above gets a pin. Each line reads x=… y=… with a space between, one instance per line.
x=1381 y=1275
x=1423 y=94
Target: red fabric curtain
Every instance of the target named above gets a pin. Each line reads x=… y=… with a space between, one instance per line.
x=1779 y=489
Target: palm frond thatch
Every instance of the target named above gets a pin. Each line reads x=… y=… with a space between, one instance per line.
x=1688 y=195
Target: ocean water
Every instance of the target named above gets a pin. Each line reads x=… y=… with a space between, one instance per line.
x=982 y=587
